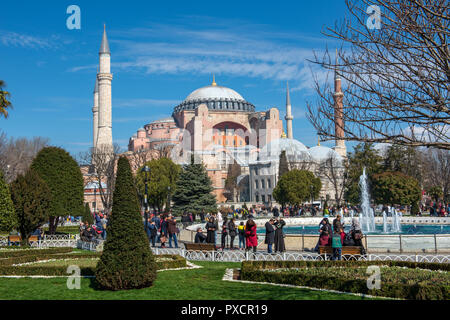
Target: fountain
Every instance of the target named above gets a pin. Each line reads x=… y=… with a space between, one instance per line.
x=395 y=224
x=367 y=217
x=385 y=227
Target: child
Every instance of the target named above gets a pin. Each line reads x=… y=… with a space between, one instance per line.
x=336 y=244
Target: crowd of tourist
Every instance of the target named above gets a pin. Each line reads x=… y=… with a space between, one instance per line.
x=96 y=231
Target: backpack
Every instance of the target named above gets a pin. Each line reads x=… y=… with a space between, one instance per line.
x=336 y=241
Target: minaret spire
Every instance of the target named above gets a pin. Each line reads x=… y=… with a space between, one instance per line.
x=289 y=116
x=104 y=78
x=214 y=80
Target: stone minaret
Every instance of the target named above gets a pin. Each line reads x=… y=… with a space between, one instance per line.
x=104 y=77
x=95 y=114
x=338 y=95
x=289 y=116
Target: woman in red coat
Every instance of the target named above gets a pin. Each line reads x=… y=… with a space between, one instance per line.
x=250 y=235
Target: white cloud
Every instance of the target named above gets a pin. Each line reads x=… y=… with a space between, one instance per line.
x=14 y=39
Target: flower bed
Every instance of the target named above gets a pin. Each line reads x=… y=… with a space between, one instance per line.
x=404 y=280
x=52 y=262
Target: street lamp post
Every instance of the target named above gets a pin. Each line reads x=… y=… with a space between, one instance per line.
x=146 y=171
x=168 y=199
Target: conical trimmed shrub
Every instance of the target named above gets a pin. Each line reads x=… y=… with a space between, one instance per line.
x=8 y=218
x=127 y=261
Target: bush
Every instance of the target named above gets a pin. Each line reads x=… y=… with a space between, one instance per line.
x=32 y=202
x=345 y=276
x=127 y=261
x=63 y=176
x=7 y=268
x=8 y=218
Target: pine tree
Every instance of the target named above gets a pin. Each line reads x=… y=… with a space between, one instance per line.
x=194 y=191
x=8 y=218
x=32 y=201
x=87 y=216
x=63 y=176
x=284 y=165
x=127 y=261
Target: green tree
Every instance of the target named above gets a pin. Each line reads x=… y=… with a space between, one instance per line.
x=296 y=187
x=87 y=216
x=4 y=100
x=194 y=190
x=127 y=261
x=8 y=218
x=231 y=185
x=162 y=181
x=395 y=188
x=63 y=176
x=435 y=192
x=32 y=202
x=284 y=165
x=404 y=159
x=364 y=155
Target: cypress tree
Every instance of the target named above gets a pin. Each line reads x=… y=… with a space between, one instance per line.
x=127 y=261
x=63 y=176
x=194 y=191
x=8 y=218
x=87 y=216
x=32 y=201
x=284 y=165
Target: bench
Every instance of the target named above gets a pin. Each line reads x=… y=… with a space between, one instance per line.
x=346 y=250
x=18 y=239
x=200 y=246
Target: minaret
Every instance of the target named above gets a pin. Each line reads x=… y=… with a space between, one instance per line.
x=104 y=77
x=339 y=114
x=289 y=116
x=95 y=114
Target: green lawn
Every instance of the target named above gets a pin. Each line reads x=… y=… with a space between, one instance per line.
x=197 y=284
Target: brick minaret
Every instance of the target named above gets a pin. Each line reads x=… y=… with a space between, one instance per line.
x=338 y=95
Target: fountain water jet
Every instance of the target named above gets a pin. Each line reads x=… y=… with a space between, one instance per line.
x=367 y=217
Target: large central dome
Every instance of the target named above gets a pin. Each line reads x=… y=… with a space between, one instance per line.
x=217 y=98
x=214 y=92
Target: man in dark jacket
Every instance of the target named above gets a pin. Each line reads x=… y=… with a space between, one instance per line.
x=199 y=236
x=270 y=235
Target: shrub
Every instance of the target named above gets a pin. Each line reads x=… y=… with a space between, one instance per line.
x=8 y=218
x=63 y=176
x=32 y=201
x=127 y=261
x=349 y=276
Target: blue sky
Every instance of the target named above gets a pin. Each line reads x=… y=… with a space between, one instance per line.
x=161 y=52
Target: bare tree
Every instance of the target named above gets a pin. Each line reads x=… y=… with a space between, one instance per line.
x=396 y=76
x=16 y=155
x=437 y=171
x=101 y=163
x=334 y=169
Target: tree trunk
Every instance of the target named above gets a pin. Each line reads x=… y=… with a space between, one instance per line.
x=52 y=224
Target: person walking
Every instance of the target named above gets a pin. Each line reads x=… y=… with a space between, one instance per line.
x=250 y=235
x=152 y=232
x=224 y=232
x=232 y=232
x=336 y=244
x=270 y=235
x=172 y=230
x=279 y=235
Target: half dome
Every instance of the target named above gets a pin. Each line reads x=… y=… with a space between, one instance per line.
x=295 y=150
x=322 y=153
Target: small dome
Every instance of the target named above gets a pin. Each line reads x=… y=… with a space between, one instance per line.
x=322 y=153
x=141 y=129
x=295 y=150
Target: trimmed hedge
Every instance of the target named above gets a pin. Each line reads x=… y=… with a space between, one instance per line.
x=26 y=252
x=253 y=271
x=7 y=268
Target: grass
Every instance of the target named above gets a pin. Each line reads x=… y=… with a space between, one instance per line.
x=197 y=284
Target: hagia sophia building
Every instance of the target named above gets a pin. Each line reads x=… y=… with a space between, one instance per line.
x=219 y=127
